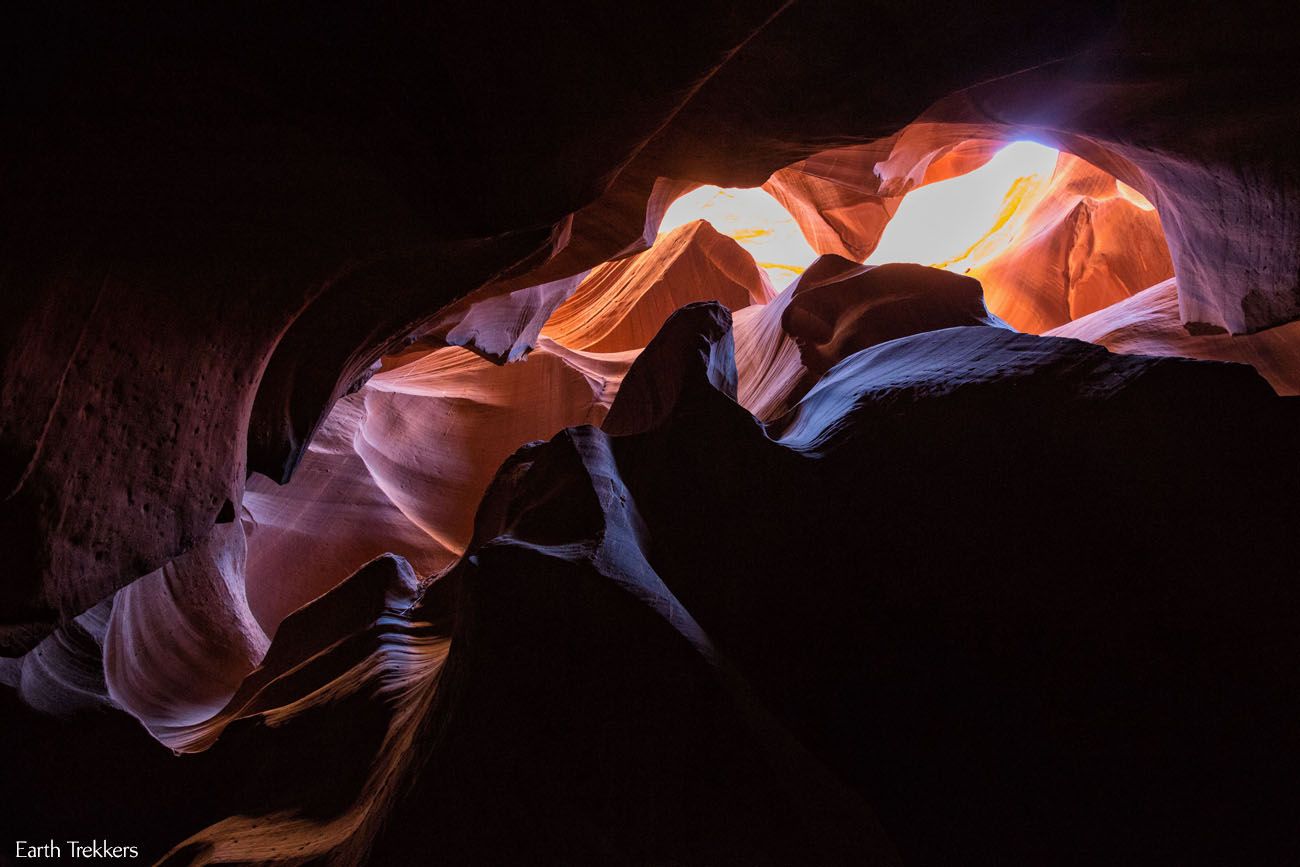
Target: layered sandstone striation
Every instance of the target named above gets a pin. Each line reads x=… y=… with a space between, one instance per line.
x=622 y=304
x=1148 y=324
x=611 y=571
x=361 y=442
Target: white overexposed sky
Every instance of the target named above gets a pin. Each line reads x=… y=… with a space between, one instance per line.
x=935 y=224
x=755 y=220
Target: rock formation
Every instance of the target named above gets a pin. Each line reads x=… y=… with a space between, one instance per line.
x=379 y=487
x=1084 y=246
x=1148 y=324
x=621 y=304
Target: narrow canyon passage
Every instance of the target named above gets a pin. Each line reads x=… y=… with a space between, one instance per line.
x=512 y=436
x=1050 y=238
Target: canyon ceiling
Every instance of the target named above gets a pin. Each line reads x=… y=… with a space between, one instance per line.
x=381 y=486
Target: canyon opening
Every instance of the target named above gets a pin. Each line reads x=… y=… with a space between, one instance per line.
x=604 y=434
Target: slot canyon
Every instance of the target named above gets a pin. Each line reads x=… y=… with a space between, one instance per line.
x=767 y=433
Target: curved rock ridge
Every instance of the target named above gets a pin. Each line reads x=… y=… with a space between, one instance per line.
x=622 y=304
x=396 y=467
x=840 y=307
x=693 y=351
x=180 y=640
x=64 y=673
x=904 y=622
x=838 y=196
x=345 y=685
x=367 y=614
x=404 y=462
x=399 y=465
x=556 y=620
x=1023 y=600
x=502 y=319
x=836 y=308
x=1076 y=246
x=332 y=517
x=628 y=663
x=302 y=659
x=159 y=342
x=1149 y=323
x=632 y=727
x=353 y=671
x=352 y=499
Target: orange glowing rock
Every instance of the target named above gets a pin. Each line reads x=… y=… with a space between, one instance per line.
x=622 y=304
x=501 y=320
x=400 y=465
x=1026 y=597
x=1084 y=245
x=1054 y=245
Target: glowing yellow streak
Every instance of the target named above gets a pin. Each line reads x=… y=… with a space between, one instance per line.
x=793 y=269
x=748 y=234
